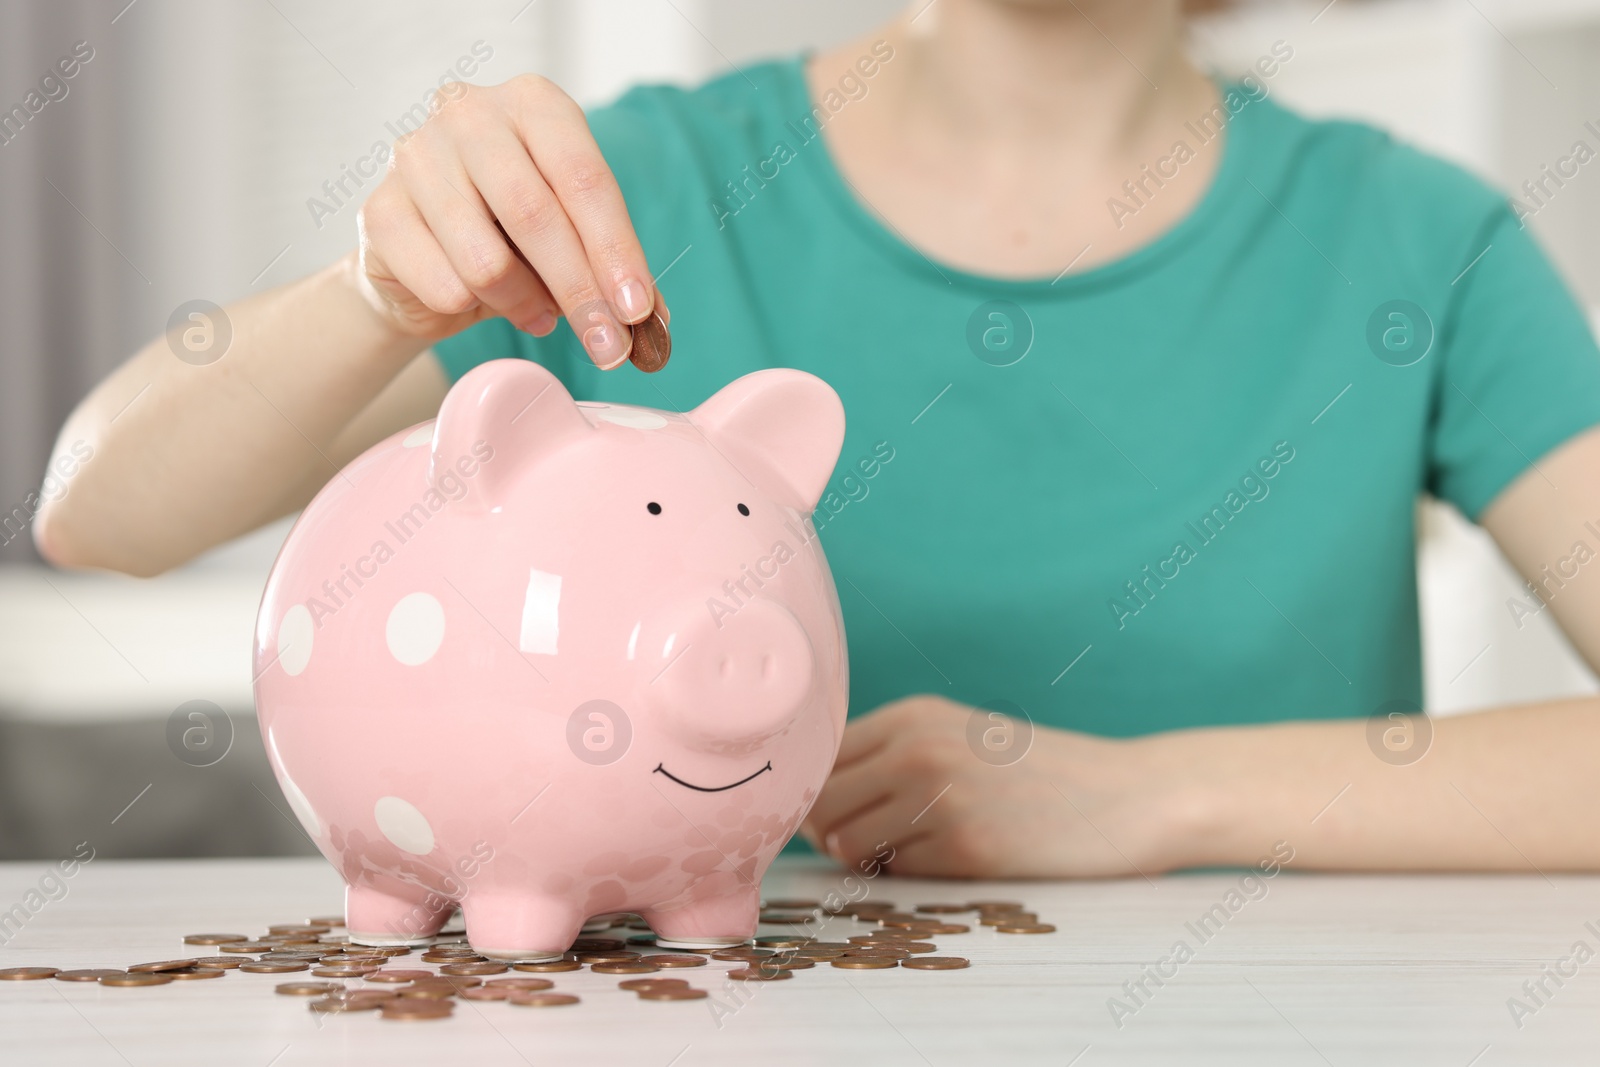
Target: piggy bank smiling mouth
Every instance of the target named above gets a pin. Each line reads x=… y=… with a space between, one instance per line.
x=661 y=769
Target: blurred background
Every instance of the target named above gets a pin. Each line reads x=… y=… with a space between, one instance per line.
x=186 y=159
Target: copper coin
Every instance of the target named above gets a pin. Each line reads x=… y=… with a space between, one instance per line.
x=87 y=974
x=212 y=939
x=336 y=958
x=193 y=974
x=760 y=973
x=865 y=963
x=786 y=963
x=477 y=967
x=673 y=959
x=596 y=943
x=329 y=921
x=484 y=993
x=821 y=954
x=343 y=1004
x=273 y=966
x=950 y=928
x=784 y=941
x=450 y=981
x=397 y=976
x=634 y=985
x=673 y=993
x=163 y=965
x=652 y=344
x=529 y=985
x=416 y=1010
x=427 y=993
x=995 y=905
x=628 y=967
x=785 y=904
x=143 y=978
x=27 y=974
x=336 y=972
x=619 y=955
x=305 y=989
x=219 y=963
x=935 y=963
x=1007 y=918
x=1026 y=928
x=542 y=1000
x=453 y=957
x=548 y=966
x=299 y=928
x=737 y=954
x=882 y=952
x=247 y=946
x=942 y=909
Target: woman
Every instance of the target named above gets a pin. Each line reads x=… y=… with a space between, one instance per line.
x=1144 y=374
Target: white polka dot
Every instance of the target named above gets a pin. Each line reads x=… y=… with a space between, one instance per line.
x=420 y=436
x=636 y=418
x=404 y=825
x=294 y=639
x=415 y=629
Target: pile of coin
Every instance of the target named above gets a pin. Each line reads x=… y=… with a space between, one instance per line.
x=893 y=939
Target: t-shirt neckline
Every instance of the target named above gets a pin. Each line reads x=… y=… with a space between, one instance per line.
x=1238 y=144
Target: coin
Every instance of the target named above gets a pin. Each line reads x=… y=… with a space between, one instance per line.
x=995 y=905
x=193 y=974
x=448 y=981
x=144 y=978
x=596 y=943
x=741 y=954
x=880 y=952
x=335 y=972
x=542 y=1000
x=416 y=1010
x=865 y=963
x=334 y=959
x=484 y=993
x=329 y=921
x=86 y=974
x=620 y=955
x=935 y=963
x=673 y=993
x=633 y=985
x=787 y=963
x=759 y=973
x=652 y=344
x=942 y=909
x=784 y=941
x=247 y=946
x=219 y=963
x=627 y=967
x=531 y=985
x=1026 y=928
x=27 y=974
x=397 y=976
x=163 y=965
x=548 y=966
x=673 y=959
x=428 y=992
x=476 y=967
x=1007 y=918
x=345 y=1003
x=273 y=966
x=212 y=939
x=305 y=989
x=950 y=928
x=299 y=928
x=785 y=904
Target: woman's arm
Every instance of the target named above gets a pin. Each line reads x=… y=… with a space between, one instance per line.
x=500 y=205
x=1515 y=789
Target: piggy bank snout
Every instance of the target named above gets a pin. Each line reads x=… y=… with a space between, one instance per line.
x=740 y=677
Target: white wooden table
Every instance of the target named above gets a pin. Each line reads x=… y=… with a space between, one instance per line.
x=1322 y=969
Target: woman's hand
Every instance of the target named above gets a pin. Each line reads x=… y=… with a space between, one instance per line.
x=502 y=205
x=1071 y=806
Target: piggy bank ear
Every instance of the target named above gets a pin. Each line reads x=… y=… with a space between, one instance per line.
x=497 y=417
x=782 y=429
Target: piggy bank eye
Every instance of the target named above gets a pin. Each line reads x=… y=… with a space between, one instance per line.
x=653 y=508
x=743 y=510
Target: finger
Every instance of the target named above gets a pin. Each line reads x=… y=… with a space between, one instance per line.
x=847 y=793
x=867 y=734
x=556 y=134
x=547 y=320
x=529 y=211
x=394 y=233
x=865 y=834
x=476 y=248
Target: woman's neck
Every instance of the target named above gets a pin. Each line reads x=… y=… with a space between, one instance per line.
x=994 y=136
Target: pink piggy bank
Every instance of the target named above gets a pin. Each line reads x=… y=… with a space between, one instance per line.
x=549 y=661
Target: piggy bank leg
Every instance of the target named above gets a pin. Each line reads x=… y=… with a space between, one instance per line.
x=374 y=917
x=517 y=925
x=709 y=922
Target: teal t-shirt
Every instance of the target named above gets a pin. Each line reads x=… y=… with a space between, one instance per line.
x=1171 y=491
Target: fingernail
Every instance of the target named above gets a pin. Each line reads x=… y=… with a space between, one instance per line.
x=607 y=343
x=632 y=300
x=542 y=325
x=830 y=845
